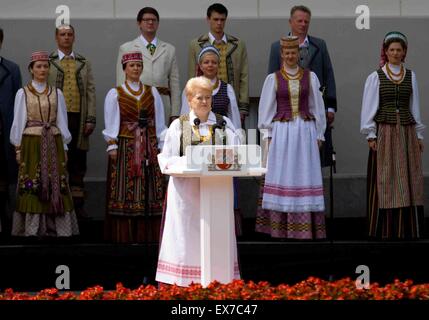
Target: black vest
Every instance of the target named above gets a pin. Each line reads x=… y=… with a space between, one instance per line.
x=394 y=98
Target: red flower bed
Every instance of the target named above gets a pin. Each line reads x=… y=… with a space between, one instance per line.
x=310 y=289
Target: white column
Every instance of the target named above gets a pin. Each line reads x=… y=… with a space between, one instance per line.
x=217 y=229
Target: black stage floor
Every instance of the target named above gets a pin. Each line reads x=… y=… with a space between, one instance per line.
x=30 y=264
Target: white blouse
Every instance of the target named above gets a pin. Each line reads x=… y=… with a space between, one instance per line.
x=233 y=112
x=112 y=115
x=268 y=106
x=171 y=152
x=20 y=115
x=371 y=99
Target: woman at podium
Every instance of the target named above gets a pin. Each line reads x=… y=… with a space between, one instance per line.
x=179 y=256
x=134 y=128
x=292 y=121
x=224 y=103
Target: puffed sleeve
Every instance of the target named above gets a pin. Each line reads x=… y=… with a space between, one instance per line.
x=317 y=107
x=19 y=118
x=370 y=106
x=233 y=112
x=160 y=127
x=170 y=155
x=267 y=106
x=111 y=118
x=415 y=107
x=62 y=122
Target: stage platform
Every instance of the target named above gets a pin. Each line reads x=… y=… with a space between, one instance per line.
x=30 y=264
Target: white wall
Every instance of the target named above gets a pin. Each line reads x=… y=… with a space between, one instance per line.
x=195 y=9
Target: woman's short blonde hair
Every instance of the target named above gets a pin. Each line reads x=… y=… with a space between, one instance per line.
x=197 y=83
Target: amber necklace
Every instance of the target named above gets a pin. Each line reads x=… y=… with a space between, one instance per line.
x=202 y=139
x=292 y=76
x=393 y=75
x=133 y=92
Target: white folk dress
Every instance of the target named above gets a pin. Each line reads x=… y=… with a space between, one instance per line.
x=293 y=158
x=292 y=197
x=179 y=257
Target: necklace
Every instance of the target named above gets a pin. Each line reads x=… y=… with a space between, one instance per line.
x=292 y=76
x=135 y=93
x=216 y=85
x=37 y=93
x=202 y=139
x=393 y=75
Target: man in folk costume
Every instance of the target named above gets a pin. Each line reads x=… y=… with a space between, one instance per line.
x=10 y=83
x=232 y=69
x=135 y=184
x=233 y=65
x=159 y=60
x=72 y=73
x=313 y=54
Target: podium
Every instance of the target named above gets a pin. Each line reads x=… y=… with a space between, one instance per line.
x=216 y=166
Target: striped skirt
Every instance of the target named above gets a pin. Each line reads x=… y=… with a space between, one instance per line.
x=395 y=184
x=286 y=225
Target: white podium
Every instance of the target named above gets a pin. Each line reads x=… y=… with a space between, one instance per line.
x=216 y=166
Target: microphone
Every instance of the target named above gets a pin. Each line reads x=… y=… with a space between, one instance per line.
x=143 y=119
x=197 y=122
x=220 y=125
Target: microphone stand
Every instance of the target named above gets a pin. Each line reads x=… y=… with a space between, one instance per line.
x=221 y=125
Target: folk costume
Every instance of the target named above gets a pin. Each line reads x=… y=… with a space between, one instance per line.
x=391 y=117
x=73 y=75
x=292 y=115
x=314 y=55
x=224 y=101
x=44 y=205
x=127 y=218
x=179 y=256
